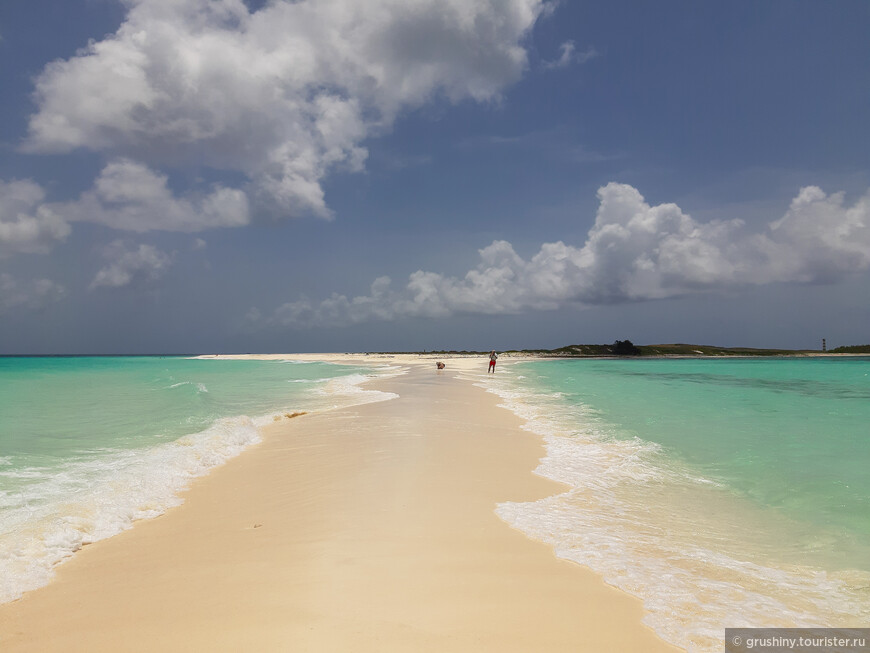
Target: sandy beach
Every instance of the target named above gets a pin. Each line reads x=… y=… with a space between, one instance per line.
x=370 y=528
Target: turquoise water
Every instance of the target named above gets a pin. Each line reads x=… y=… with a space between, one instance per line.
x=88 y=445
x=790 y=434
x=724 y=492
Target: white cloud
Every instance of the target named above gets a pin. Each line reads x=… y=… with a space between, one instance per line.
x=832 y=239
x=27 y=295
x=126 y=265
x=27 y=224
x=128 y=195
x=284 y=94
x=633 y=252
x=569 y=55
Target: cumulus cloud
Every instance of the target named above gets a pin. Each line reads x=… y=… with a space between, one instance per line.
x=131 y=196
x=27 y=295
x=283 y=95
x=125 y=265
x=27 y=224
x=633 y=252
x=569 y=55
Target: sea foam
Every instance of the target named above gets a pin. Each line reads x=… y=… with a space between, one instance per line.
x=89 y=500
x=82 y=501
x=700 y=559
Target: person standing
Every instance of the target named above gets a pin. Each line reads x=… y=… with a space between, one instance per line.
x=492 y=358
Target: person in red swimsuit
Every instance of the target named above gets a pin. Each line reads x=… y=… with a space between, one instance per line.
x=492 y=358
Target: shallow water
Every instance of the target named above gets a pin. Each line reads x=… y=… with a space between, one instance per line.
x=724 y=493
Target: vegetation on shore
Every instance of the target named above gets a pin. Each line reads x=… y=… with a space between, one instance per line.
x=852 y=349
x=622 y=348
x=626 y=348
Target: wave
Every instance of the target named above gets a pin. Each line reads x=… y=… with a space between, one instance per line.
x=90 y=500
x=699 y=558
x=101 y=494
x=200 y=387
x=348 y=387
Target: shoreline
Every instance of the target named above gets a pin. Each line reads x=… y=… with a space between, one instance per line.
x=370 y=527
x=147 y=461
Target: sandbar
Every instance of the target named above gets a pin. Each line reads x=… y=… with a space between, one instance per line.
x=369 y=528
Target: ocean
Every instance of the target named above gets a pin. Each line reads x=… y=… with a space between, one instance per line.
x=722 y=492
x=90 y=444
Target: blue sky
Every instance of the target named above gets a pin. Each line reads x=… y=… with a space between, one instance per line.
x=331 y=175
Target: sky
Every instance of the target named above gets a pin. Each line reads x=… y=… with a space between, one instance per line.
x=192 y=176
